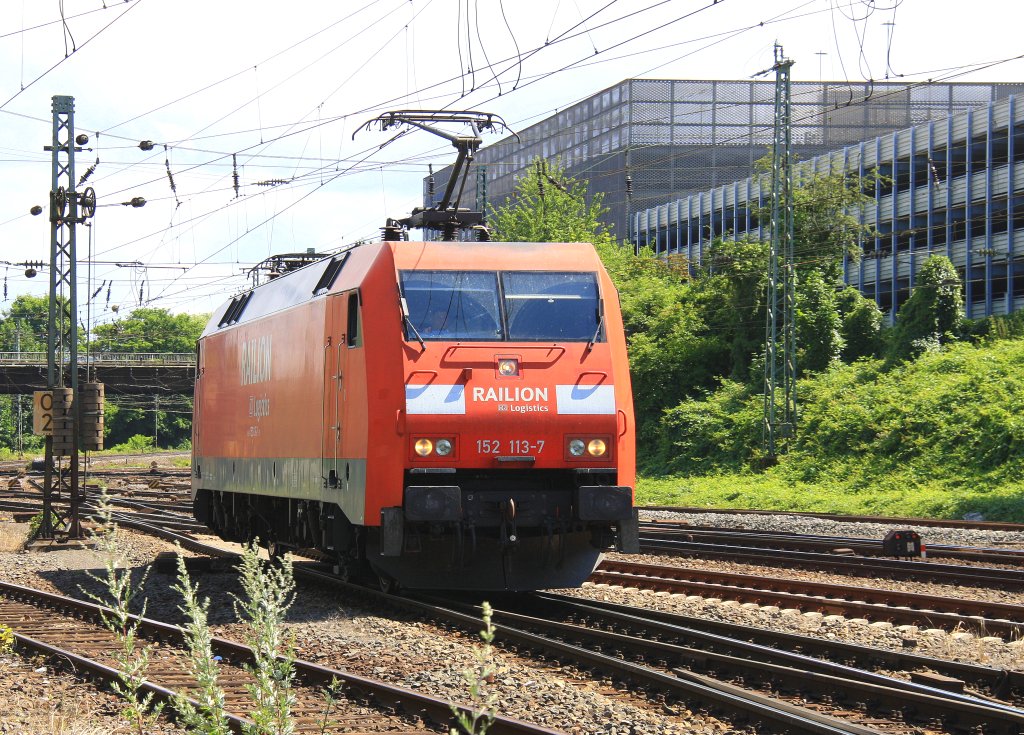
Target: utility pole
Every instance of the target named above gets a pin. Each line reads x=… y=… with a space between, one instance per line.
x=62 y=332
x=17 y=349
x=779 y=424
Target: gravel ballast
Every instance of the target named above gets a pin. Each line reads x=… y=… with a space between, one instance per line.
x=331 y=630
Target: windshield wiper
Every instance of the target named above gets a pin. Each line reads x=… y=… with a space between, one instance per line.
x=408 y=321
x=597 y=333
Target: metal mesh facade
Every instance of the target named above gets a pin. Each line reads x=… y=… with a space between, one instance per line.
x=953 y=187
x=675 y=137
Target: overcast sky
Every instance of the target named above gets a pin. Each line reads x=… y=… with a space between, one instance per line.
x=280 y=88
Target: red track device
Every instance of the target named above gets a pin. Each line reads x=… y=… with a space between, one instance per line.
x=453 y=415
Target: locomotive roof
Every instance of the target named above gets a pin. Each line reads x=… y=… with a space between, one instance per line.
x=347 y=269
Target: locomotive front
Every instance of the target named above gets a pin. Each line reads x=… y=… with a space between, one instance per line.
x=518 y=458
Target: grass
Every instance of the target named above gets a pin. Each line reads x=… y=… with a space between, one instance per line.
x=898 y=494
x=940 y=437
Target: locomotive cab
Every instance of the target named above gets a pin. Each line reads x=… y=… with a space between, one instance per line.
x=519 y=463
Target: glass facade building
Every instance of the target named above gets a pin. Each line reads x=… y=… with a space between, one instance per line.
x=953 y=187
x=677 y=137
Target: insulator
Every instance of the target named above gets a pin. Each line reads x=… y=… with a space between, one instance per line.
x=629 y=186
x=108 y=292
x=234 y=175
x=391 y=231
x=88 y=172
x=5 y=288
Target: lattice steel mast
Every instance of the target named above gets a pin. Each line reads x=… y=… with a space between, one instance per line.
x=62 y=332
x=780 y=324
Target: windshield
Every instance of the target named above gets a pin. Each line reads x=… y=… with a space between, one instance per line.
x=550 y=306
x=452 y=305
x=534 y=306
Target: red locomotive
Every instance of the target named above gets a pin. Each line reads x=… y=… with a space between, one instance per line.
x=453 y=415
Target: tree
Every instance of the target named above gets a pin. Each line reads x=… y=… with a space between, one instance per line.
x=825 y=224
x=861 y=325
x=818 y=338
x=733 y=285
x=550 y=206
x=25 y=323
x=934 y=313
x=150 y=330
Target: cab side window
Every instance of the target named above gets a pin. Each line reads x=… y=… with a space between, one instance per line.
x=353 y=338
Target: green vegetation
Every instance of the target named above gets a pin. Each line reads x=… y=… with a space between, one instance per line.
x=921 y=418
x=121 y=589
x=23 y=328
x=483 y=700
x=6 y=640
x=940 y=436
x=269 y=592
x=209 y=715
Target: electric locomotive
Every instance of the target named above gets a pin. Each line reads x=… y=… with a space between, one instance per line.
x=447 y=414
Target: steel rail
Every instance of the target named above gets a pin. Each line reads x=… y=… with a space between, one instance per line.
x=866 y=546
x=998 y=682
x=895 y=606
x=973 y=576
x=703 y=689
x=895 y=521
x=674 y=641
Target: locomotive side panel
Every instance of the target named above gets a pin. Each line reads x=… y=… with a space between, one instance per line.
x=625 y=426
x=260 y=411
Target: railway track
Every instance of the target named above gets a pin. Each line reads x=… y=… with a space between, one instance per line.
x=72 y=630
x=675 y=530
x=871 y=603
x=893 y=521
x=1007 y=685
x=671 y=659
x=641 y=648
x=835 y=561
x=868 y=700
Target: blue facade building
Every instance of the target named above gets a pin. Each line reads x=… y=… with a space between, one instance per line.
x=953 y=187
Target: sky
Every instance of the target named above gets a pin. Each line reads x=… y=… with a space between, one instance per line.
x=279 y=94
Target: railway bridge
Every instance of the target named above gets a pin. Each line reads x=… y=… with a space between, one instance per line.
x=123 y=373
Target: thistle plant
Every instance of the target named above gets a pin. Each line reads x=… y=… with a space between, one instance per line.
x=331 y=696
x=209 y=718
x=483 y=701
x=269 y=592
x=131 y=658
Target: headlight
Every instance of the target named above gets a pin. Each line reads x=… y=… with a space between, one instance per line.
x=596 y=447
x=577 y=447
x=508 y=367
x=424 y=447
x=444 y=447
